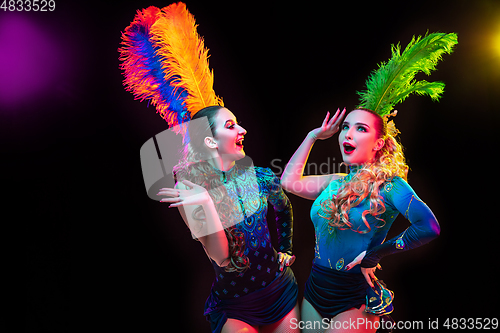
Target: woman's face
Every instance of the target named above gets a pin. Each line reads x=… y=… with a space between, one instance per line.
x=229 y=136
x=358 y=138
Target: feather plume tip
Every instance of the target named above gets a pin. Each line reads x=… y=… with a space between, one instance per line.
x=184 y=57
x=165 y=62
x=394 y=80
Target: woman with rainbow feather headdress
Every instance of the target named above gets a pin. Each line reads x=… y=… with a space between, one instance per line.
x=353 y=212
x=223 y=203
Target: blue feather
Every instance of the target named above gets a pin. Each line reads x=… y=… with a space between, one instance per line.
x=143 y=71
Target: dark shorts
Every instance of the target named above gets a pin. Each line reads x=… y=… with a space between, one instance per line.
x=332 y=292
x=262 y=307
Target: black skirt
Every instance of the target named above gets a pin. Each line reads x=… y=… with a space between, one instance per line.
x=262 y=307
x=332 y=292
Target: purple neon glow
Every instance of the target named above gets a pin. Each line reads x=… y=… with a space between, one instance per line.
x=31 y=60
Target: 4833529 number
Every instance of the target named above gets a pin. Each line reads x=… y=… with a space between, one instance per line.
x=28 y=5
x=471 y=323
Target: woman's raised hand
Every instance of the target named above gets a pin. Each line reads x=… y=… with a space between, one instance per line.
x=193 y=195
x=329 y=127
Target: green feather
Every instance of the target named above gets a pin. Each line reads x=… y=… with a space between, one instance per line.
x=395 y=80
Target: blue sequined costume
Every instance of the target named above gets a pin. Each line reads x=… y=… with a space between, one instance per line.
x=330 y=288
x=263 y=266
x=262 y=294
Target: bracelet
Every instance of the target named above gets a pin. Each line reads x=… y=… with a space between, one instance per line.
x=314 y=136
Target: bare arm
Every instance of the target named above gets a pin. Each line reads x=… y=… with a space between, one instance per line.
x=293 y=179
x=207 y=228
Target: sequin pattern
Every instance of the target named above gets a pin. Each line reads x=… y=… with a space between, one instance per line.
x=252 y=189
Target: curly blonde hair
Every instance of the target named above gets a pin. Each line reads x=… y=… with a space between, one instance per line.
x=389 y=162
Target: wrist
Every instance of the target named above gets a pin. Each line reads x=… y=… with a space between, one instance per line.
x=312 y=135
x=206 y=201
x=368 y=264
x=370 y=261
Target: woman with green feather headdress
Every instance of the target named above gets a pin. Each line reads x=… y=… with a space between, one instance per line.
x=352 y=213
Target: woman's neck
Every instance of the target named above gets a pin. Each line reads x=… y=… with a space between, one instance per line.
x=353 y=168
x=221 y=164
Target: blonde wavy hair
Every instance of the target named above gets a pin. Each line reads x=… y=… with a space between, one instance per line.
x=389 y=162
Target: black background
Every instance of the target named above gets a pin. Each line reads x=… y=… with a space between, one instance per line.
x=102 y=256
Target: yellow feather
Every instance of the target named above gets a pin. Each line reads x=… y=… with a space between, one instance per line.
x=184 y=56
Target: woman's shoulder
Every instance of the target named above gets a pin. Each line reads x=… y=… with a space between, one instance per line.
x=266 y=176
x=264 y=172
x=396 y=181
x=397 y=186
x=334 y=182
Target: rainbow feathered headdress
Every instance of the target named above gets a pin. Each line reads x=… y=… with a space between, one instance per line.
x=164 y=61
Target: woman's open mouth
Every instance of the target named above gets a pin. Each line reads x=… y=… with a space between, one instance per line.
x=348 y=148
x=239 y=142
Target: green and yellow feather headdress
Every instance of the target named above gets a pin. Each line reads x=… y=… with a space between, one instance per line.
x=393 y=81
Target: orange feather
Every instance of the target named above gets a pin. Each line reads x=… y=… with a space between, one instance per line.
x=184 y=57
